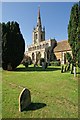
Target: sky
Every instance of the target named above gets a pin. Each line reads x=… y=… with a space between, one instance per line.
x=54 y=16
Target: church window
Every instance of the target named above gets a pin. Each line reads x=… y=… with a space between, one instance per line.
x=34 y=41
x=64 y=58
x=36 y=36
x=47 y=44
x=41 y=37
x=40 y=46
x=48 y=55
x=33 y=56
x=35 y=47
x=43 y=45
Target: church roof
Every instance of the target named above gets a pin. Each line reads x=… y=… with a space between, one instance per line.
x=62 y=46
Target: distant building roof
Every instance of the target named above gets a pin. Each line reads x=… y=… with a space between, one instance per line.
x=62 y=46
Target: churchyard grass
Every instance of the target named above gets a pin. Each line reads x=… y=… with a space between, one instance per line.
x=0 y=93
x=59 y=91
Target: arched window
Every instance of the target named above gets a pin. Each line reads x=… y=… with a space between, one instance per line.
x=41 y=37
x=33 y=56
x=48 y=55
x=36 y=36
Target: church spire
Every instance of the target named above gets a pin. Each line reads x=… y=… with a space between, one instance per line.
x=38 y=32
x=39 y=18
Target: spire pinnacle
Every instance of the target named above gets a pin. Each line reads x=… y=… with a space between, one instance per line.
x=39 y=18
x=39 y=12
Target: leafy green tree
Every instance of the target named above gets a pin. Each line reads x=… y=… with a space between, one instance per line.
x=50 y=51
x=74 y=32
x=13 y=45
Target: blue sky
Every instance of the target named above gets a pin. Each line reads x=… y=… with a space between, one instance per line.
x=54 y=16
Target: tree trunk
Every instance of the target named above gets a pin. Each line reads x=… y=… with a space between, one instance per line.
x=72 y=69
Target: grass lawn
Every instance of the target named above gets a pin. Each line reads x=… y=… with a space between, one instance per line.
x=0 y=93
x=53 y=94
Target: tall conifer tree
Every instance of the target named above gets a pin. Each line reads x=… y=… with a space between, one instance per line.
x=74 y=33
x=13 y=45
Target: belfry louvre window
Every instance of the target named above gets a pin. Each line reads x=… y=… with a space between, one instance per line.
x=36 y=36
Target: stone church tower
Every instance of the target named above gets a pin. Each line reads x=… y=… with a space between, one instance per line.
x=40 y=48
x=38 y=32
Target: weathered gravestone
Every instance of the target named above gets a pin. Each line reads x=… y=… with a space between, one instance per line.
x=44 y=65
x=24 y=99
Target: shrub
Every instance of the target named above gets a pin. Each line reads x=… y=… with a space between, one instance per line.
x=28 y=59
x=55 y=63
x=25 y=63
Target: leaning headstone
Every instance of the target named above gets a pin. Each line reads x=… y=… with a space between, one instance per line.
x=43 y=65
x=24 y=99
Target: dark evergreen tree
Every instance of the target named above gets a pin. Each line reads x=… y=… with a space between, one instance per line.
x=0 y=44
x=78 y=37
x=13 y=45
x=74 y=33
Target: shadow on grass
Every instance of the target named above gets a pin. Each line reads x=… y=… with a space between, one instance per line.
x=32 y=69
x=78 y=73
x=34 y=106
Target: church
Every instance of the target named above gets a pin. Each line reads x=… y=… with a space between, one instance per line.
x=41 y=48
